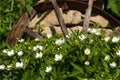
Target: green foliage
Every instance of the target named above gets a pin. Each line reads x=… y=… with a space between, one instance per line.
x=114 y=6
x=76 y=57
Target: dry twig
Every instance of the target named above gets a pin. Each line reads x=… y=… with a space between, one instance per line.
x=59 y=17
x=87 y=16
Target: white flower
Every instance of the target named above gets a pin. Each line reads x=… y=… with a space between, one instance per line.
x=58 y=57
x=87 y=51
x=21 y=40
x=87 y=63
x=2 y=67
x=82 y=37
x=37 y=47
x=10 y=53
x=59 y=41
x=39 y=55
x=5 y=50
x=98 y=32
x=20 y=53
x=107 y=38
x=48 y=69
x=34 y=48
x=107 y=57
x=49 y=35
x=19 y=65
x=118 y=53
x=37 y=39
x=113 y=64
x=93 y=30
x=115 y=39
x=68 y=36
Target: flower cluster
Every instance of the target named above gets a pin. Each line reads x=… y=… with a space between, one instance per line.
x=82 y=37
x=94 y=31
x=9 y=52
x=115 y=39
x=35 y=48
x=83 y=53
x=58 y=57
x=19 y=64
x=59 y=41
x=39 y=55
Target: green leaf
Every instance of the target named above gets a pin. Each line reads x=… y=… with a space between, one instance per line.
x=29 y=9
x=75 y=74
x=117 y=75
x=77 y=67
x=114 y=6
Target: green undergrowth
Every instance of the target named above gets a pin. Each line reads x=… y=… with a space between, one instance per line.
x=76 y=57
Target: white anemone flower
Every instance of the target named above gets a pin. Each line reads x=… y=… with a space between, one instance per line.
x=2 y=67
x=20 y=53
x=48 y=69
x=118 y=53
x=5 y=51
x=10 y=53
x=49 y=35
x=68 y=35
x=107 y=38
x=82 y=37
x=87 y=51
x=94 y=31
x=21 y=40
x=115 y=39
x=87 y=63
x=37 y=39
x=39 y=55
x=113 y=64
x=59 y=41
x=58 y=57
x=37 y=47
x=107 y=57
x=19 y=65
x=98 y=32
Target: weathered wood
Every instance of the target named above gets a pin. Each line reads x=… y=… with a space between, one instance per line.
x=59 y=17
x=87 y=16
x=32 y=34
x=18 y=29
